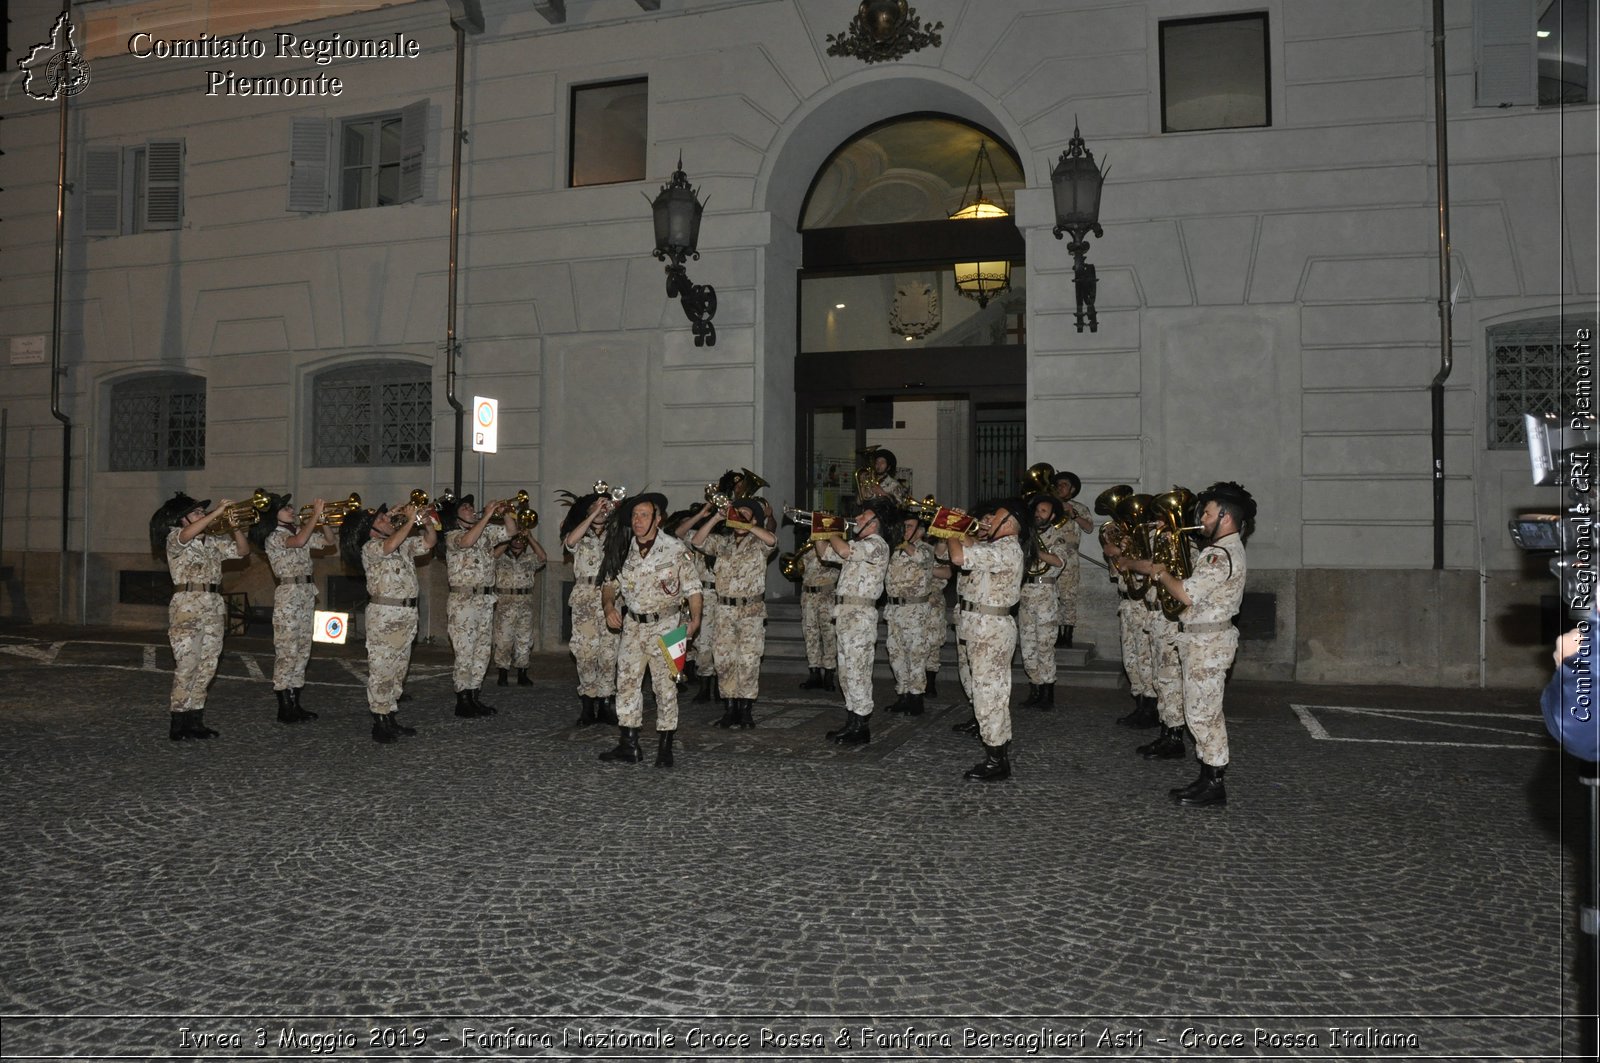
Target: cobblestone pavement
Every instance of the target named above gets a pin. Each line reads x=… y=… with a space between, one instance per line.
x=489 y=888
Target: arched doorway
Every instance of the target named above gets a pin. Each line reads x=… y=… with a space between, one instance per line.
x=892 y=351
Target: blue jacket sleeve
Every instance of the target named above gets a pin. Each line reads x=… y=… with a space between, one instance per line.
x=1569 y=710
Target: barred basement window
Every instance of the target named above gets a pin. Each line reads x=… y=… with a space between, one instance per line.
x=158 y=422
x=1532 y=369
x=374 y=413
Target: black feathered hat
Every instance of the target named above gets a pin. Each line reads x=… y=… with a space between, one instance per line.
x=1056 y=507
x=1071 y=478
x=354 y=533
x=268 y=523
x=577 y=510
x=886 y=453
x=1232 y=498
x=626 y=507
x=170 y=516
x=448 y=506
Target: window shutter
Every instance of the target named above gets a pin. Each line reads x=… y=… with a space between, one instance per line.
x=309 y=142
x=163 y=185
x=102 y=192
x=1505 y=52
x=413 y=138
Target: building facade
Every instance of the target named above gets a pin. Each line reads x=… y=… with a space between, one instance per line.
x=264 y=222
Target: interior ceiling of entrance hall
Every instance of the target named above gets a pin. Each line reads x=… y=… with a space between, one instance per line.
x=911 y=170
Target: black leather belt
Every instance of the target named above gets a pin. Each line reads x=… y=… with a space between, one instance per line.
x=853 y=599
x=398 y=603
x=986 y=610
x=472 y=590
x=736 y=602
x=646 y=618
x=201 y=588
x=289 y=581
x=908 y=601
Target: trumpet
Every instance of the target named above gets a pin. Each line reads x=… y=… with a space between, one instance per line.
x=821 y=523
x=609 y=495
x=717 y=499
x=518 y=503
x=426 y=512
x=240 y=515
x=333 y=513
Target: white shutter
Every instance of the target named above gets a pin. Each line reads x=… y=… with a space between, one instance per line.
x=413 y=139
x=309 y=145
x=163 y=185
x=1505 y=52
x=102 y=191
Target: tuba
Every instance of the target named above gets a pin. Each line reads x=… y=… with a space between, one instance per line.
x=749 y=484
x=1131 y=514
x=1107 y=501
x=1169 y=543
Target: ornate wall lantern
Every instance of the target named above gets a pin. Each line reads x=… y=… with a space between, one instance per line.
x=677 y=212
x=981 y=280
x=1076 y=182
x=883 y=30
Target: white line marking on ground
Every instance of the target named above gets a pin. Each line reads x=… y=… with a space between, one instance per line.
x=252 y=666
x=1447 y=719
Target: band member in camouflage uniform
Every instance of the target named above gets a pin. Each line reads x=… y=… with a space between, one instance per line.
x=1133 y=606
x=645 y=576
x=197 y=615
x=1166 y=675
x=817 y=582
x=907 y=584
x=593 y=644
x=1038 y=608
x=1207 y=639
x=741 y=579
x=863 y=563
x=469 y=542
x=994 y=566
x=288 y=546
x=937 y=631
x=518 y=562
x=703 y=651
x=386 y=545
x=884 y=467
x=1066 y=486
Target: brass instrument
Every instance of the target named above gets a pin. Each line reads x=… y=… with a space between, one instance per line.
x=806 y=518
x=1168 y=543
x=1107 y=501
x=609 y=496
x=1039 y=479
x=718 y=500
x=789 y=565
x=527 y=520
x=516 y=504
x=333 y=513
x=866 y=482
x=749 y=484
x=240 y=515
x=1131 y=514
x=426 y=512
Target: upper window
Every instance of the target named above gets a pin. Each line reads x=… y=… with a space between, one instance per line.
x=133 y=189
x=379 y=157
x=1533 y=368
x=158 y=422
x=1534 y=51
x=1214 y=73
x=607 y=127
x=374 y=413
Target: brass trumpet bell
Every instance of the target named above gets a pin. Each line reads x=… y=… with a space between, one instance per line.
x=1107 y=501
x=240 y=515
x=1039 y=478
x=749 y=484
x=333 y=513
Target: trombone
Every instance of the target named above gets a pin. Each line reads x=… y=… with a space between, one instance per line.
x=333 y=513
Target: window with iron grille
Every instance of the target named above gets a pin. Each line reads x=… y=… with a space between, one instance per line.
x=158 y=422
x=1533 y=368
x=375 y=413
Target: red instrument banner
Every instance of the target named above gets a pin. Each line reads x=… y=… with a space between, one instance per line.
x=826 y=526
x=952 y=524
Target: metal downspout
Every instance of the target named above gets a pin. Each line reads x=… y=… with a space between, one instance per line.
x=1442 y=164
x=452 y=348
x=55 y=335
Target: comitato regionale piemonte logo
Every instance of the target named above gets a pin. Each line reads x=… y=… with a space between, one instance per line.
x=56 y=67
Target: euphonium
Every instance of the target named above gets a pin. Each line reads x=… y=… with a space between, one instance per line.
x=1107 y=501
x=749 y=484
x=240 y=515
x=1169 y=544
x=333 y=513
x=866 y=482
x=1039 y=479
x=1131 y=514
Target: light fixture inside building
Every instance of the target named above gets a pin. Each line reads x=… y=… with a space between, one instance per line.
x=677 y=212
x=1076 y=182
x=981 y=280
x=883 y=30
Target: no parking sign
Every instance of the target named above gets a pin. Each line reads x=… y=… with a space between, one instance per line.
x=485 y=424
x=330 y=627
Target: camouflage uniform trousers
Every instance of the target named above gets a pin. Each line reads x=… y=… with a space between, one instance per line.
x=195 y=622
x=640 y=648
x=1138 y=658
x=857 y=629
x=907 y=644
x=705 y=642
x=513 y=630
x=1206 y=659
x=936 y=630
x=293 y=612
x=391 y=629
x=990 y=642
x=471 y=620
x=1036 y=631
x=1167 y=669
x=816 y=620
x=593 y=645
x=741 y=639
x=1067 y=589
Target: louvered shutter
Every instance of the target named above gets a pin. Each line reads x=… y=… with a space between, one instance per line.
x=102 y=192
x=1505 y=52
x=309 y=143
x=413 y=138
x=163 y=185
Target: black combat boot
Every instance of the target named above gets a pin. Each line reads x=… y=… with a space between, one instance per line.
x=932 y=689
x=707 y=684
x=1206 y=790
x=627 y=751
x=587 y=715
x=605 y=709
x=399 y=728
x=483 y=707
x=970 y=727
x=286 y=707
x=747 y=719
x=1167 y=746
x=849 y=722
x=178 y=727
x=812 y=681
x=1065 y=641
x=830 y=679
x=1144 y=714
x=1047 y=696
x=503 y=679
x=197 y=725
x=914 y=707
x=464 y=706
x=996 y=764
x=522 y=678
x=899 y=704
x=857 y=733
x=730 y=714
x=383 y=729
x=300 y=711
x=664 y=748
x=1034 y=694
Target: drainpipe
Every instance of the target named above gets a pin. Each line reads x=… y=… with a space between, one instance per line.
x=451 y=347
x=1441 y=159
x=55 y=332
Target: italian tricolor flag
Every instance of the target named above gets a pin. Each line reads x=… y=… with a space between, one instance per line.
x=675 y=647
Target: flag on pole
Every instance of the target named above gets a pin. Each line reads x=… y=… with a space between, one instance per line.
x=675 y=647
